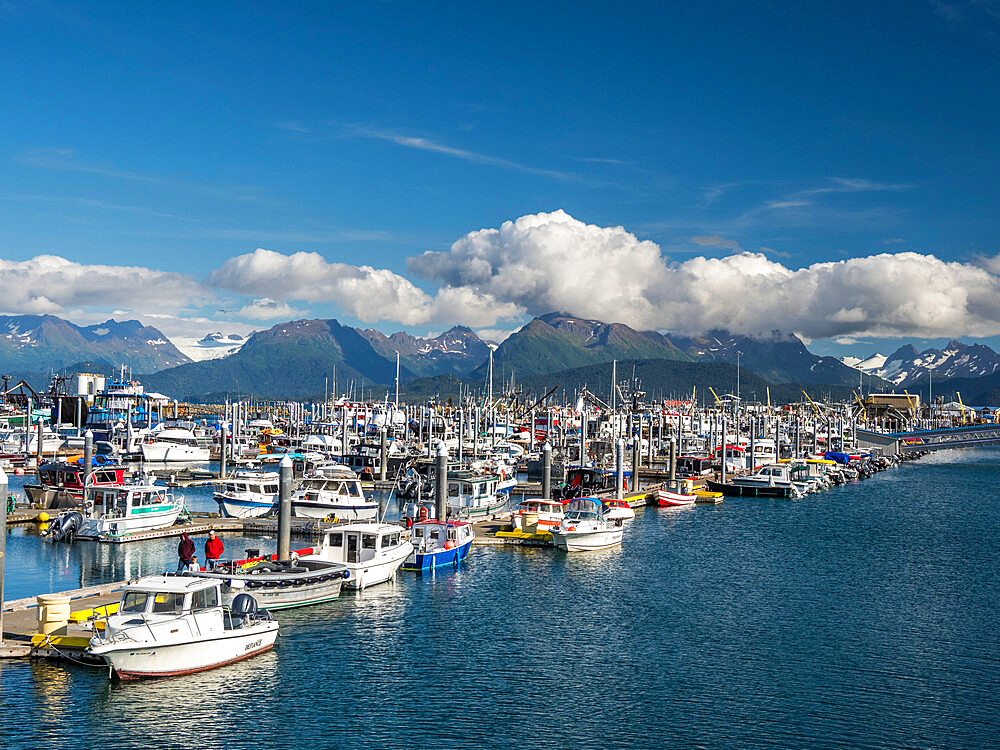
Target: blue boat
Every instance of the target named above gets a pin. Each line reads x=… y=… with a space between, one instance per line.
x=436 y=544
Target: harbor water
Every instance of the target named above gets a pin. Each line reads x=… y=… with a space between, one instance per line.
x=863 y=616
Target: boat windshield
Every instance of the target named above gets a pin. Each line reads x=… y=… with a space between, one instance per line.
x=134 y=601
x=580 y=515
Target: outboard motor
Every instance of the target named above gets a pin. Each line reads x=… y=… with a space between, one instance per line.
x=243 y=605
x=66 y=526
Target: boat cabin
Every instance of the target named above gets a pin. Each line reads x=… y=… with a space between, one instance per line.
x=124 y=500
x=430 y=535
x=69 y=476
x=472 y=490
x=694 y=466
x=258 y=482
x=360 y=542
x=586 y=480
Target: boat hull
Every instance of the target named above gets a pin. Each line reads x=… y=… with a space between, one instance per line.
x=142 y=661
x=669 y=499
x=320 y=511
x=481 y=513
x=426 y=561
x=232 y=507
x=737 y=490
x=586 y=541
x=155 y=453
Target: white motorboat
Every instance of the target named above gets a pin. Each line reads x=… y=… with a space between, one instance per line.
x=247 y=494
x=116 y=510
x=174 y=625
x=585 y=527
x=334 y=491
x=371 y=552
x=172 y=445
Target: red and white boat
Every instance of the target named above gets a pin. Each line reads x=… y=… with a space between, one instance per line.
x=670 y=499
x=549 y=514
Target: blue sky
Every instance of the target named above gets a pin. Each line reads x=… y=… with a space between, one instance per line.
x=177 y=138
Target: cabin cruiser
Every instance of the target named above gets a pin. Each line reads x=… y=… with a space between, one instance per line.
x=247 y=494
x=174 y=444
x=436 y=544
x=795 y=476
x=173 y=625
x=582 y=481
x=278 y=585
x=332 y=491
x=366 y=459
x=476 y=497
x=371 y=552
x=586 y=527
x=119 y=509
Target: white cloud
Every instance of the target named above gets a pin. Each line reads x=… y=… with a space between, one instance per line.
x=367 y=293
x=266 y=308
x=551 y=261
x=50 y=284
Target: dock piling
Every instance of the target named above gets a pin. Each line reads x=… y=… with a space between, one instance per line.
x=383 y=454
x=222 y=451
x=547 y=471
x=284 y=508
x=441 y=491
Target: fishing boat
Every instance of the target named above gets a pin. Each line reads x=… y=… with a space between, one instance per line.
x=174 y=444
x=476 y=497
x=333 y=491
x=585 y=527
x=618 y=510
x=278 y=585
x=668 y=499
x=117 y=510
x=371 y=552
x=436 y=544
x=174 y=625
x=60 y=484
x=247 y=494
x=535 y=515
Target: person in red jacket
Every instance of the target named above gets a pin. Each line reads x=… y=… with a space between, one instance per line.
x=213 y=550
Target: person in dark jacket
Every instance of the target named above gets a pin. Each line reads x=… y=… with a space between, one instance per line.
x=186 y=553
x=213 y=549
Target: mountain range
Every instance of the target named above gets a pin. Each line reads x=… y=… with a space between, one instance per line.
x=39 y=343
x=906 y=366
x=305 y=358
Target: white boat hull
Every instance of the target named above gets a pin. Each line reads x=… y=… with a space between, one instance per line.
x=167 y=453
x=584 y=541
x=343 y=512
x=363 y=575
x=168 y=660
x=236 y=508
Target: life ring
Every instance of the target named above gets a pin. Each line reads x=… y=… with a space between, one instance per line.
x=503 y=474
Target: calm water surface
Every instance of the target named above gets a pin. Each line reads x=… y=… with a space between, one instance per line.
x=864 y=616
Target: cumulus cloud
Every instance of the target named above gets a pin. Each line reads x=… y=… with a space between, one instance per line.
x=552 y=261
x=266 y=308
x=367 y=293
x=51 y=284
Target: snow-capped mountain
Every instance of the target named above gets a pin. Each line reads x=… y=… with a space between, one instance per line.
x=36 y=343
x=907 y=366
x=458 y=350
